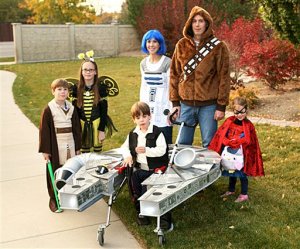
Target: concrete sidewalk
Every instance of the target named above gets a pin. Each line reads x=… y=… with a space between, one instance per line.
x=26 y=221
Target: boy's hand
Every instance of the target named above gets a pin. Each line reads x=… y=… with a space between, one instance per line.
x=78 y=152
x=127 y=162
x=46 y=156
x=140 y=149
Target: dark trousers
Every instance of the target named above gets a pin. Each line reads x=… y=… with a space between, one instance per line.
x=244 y=184
x=138 y=190
x=168 y=132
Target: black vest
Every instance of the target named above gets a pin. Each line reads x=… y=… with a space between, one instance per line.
x=153 y=162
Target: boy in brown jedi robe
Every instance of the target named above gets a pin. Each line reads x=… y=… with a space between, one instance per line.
x=60 y=132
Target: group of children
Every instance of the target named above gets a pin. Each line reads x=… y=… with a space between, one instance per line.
x=68 y=128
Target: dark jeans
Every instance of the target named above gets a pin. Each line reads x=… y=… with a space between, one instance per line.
x=244 y=184
x=202 y=115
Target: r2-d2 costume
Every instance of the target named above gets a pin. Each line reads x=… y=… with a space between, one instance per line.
x=155 y=88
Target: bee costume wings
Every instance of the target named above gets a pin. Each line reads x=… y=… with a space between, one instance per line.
x=109 y=83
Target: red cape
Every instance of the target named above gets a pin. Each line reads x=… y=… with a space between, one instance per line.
x=253 y=164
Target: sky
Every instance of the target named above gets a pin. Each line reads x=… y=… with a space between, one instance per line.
x=107 y=5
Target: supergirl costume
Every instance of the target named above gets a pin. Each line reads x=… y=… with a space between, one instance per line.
x=59 y=136
x=93 y=118
x=232 y=129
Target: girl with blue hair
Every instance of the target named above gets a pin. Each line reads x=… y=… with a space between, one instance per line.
x=155 y=72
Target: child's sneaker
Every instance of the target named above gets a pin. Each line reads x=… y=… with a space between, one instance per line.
x=227 y=193
x=142 y=220
x=242 y=198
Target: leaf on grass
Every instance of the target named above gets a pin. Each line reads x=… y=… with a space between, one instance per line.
x=288 y=227
x=231 y=227
x=282 y=196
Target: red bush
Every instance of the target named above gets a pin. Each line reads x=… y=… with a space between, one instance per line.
x=275 y=61
x=167 y=16
x=242 y=32
x=237 y=36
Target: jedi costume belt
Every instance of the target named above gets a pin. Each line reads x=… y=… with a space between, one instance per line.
x=63 y=130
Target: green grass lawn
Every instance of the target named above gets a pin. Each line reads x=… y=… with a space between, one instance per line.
x=7 y=59
x=271 y=219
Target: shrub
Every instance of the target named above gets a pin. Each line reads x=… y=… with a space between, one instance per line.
x=283 y=16
x=248 y=94
x=240 y=33
x=274 y=61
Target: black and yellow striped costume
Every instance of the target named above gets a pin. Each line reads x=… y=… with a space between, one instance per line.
x=93 y=118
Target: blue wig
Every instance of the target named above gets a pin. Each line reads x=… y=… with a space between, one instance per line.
x=156 y=35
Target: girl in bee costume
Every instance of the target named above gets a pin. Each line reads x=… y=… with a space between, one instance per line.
x=89 y=96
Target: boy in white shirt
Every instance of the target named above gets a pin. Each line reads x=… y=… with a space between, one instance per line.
x=146 y=150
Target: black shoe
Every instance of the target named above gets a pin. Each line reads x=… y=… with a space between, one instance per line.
x=142 y=220
x=166 y=225
x=166 y=222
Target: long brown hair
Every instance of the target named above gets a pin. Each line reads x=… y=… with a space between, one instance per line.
x=81 y=86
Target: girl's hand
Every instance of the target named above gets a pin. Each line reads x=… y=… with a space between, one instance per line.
x=234 y=144
x=140 y=149
x=101 y=136
x=226 y=141
x=46 y=156
x=127 y=162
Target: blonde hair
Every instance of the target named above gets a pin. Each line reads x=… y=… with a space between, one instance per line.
x=139 y=108
x=59 y=83
x=240 y=101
